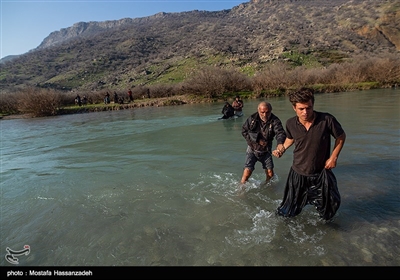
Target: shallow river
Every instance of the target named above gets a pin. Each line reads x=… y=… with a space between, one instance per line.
x=159 y=187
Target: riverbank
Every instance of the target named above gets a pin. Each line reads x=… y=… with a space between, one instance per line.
x=191 y=99
x=89 y=108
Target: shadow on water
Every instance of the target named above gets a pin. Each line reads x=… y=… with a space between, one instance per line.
x=366 y=194
x=233 y=123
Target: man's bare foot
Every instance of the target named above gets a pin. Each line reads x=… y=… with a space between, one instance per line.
x=241 y=189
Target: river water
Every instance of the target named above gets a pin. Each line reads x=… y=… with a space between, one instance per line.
x=158 y=186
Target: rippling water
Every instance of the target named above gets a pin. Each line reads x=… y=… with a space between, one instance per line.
x=159 y=187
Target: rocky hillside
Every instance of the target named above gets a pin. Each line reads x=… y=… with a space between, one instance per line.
x=167 y=47
x=82 y=30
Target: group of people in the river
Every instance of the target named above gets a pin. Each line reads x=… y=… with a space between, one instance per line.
x=236 y=109
x=310 y=179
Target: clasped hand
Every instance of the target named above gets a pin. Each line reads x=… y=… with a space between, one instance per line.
x=277 y=153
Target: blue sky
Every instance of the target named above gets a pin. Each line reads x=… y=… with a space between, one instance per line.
x=25 y=23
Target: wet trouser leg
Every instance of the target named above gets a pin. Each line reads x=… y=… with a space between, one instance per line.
x=320 y=191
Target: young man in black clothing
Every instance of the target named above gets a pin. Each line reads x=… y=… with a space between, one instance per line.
x=310 y=179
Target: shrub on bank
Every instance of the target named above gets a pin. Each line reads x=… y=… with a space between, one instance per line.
x=35 y=101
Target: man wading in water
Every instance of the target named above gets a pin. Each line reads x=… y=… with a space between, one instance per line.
x=259 y=130
x=310 y=179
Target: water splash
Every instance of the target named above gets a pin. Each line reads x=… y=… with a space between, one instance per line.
x=263 y=230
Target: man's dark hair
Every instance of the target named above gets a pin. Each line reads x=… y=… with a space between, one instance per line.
x=302 y=95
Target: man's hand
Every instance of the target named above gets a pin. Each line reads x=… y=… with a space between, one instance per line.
x=277 y=153
x=280 y=150
x=330 y=163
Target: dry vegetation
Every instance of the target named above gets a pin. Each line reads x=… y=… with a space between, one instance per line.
x=212 y=83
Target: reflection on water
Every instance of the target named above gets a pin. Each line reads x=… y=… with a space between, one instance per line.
x=159 y=187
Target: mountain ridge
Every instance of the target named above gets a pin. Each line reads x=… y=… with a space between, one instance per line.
x=167 y=47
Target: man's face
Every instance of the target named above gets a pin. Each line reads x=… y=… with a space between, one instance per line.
x=304 y=111
x=264 y=113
